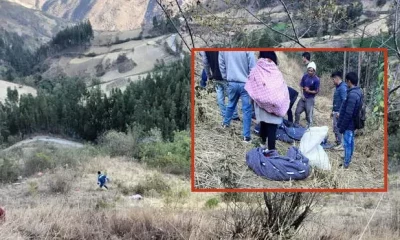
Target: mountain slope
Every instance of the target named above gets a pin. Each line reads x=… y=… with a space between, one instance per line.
x=107 y=15
x=34 y=26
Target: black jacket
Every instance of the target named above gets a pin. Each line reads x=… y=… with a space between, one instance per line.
x=293 y=94
x=212 y=58
x=349 y=109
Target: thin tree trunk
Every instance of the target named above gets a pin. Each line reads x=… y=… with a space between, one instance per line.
x=359 y=67
x=348 y=62
x=367 y=72
x=344 y=65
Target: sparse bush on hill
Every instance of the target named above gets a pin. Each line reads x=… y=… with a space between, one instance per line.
x=212 y=203
x=153 y=182
x=9 y=171
x=124 y=64
x=122 y=58
x=100 y=70
x=122 y=144
x=175 y=197
x=61 y=181
x=42 y=158
x=170 y=157
x=39 y=161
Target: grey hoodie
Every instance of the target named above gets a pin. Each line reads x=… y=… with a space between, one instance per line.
x=236 y=66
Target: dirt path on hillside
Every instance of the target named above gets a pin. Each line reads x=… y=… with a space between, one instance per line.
x=48 y=139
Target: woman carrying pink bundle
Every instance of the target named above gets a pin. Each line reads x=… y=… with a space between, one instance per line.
x=270 y=94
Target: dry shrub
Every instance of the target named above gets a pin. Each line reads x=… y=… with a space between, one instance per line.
x=274 y=215
x=61 y=181
x=153 y=182
x=56 y=221
x=120 y=144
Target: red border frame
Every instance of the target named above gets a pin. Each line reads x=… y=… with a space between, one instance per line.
x=385 y=165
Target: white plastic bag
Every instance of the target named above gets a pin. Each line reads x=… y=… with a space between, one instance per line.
x=310 y=146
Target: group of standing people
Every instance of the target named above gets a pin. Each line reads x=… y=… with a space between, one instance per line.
x=230 y=71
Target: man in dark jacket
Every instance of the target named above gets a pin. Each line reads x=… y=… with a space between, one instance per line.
x=211 y=66
x=347 y=113
x=338 y=99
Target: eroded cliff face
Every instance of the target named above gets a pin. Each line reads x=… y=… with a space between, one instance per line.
x=33 y=25
x=107 y=15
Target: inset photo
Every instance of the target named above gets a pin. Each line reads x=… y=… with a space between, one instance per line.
x=289 y=119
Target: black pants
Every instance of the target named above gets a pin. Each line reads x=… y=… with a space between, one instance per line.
x=289 y=112
x=268 y=130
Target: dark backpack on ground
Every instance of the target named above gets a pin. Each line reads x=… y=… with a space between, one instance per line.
x=281 y=135
x=296 y=133
x=360 y=116
x=270 y=165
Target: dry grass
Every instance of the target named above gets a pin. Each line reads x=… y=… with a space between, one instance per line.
x=220 y=154
x=41 y=208
x=346 y=216
x=35 y=211
x=57 y=219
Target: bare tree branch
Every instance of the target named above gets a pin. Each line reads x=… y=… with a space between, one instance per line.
x=306 y=31
x=187 y=24
x=291 y=21
x=395 y=28
x=172 y=22
x=394 y=89
x=272 y=29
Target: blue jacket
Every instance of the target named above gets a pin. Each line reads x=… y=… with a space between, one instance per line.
x=102 y=179
x=236 y=66
x=339 y=96
x=349 y=109
x=312 y=83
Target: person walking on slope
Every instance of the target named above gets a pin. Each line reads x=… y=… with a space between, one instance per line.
x=266 y=69
x=348 y=111
x=310 y=85
x=338 y=98
x=101 y=180
x=211 y=67
x=235 y=68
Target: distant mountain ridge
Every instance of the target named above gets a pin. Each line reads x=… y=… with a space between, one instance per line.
x=105 y=15
x=34 y=26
